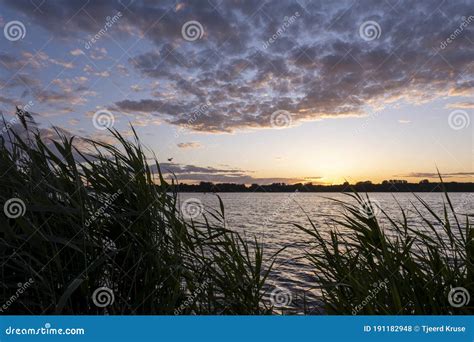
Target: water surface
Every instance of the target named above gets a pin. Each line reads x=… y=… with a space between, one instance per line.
x=271 y=217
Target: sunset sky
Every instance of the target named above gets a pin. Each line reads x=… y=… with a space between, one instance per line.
x=254 y=91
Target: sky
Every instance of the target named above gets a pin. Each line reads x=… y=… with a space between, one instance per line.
x=253 y=91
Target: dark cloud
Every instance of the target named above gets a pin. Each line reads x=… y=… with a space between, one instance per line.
x=255 y=58
x=435 y=175
x=20 y=80
x=466 y=105
x=61 y=97
x=192 y=169
x=193 y=173
x=10 y=62
x=191 y=144
x=8 y=101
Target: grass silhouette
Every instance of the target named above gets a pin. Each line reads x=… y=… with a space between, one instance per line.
x=103 y=219
x=406 y=269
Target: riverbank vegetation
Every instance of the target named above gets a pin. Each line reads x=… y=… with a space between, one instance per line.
x=364 y=267
x=98 y=232
x=94 y=233
x=367 y=186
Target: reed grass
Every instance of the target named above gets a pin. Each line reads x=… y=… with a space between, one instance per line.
x=397 y=268
x=104 y=219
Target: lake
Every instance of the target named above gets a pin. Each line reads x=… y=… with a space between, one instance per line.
x=271 y=217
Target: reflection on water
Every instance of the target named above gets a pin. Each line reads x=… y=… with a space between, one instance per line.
x=271 y=217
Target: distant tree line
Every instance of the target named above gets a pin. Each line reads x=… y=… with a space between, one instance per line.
x=365 y=186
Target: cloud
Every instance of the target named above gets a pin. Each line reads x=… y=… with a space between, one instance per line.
x=73 y=122
x=10 y=62
x=122 y=70
x=193 y=174
x=21 y=80
x=8 y=101
x=191 y=144
x=463 y=105
x=35 y=61
x=76 y=52
x=187 y=169
x=251 y=62
x=136 y=87
x=435 y=175
x=66 y=65
x=90 y=70
x=53 y=97
x=98 y=53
